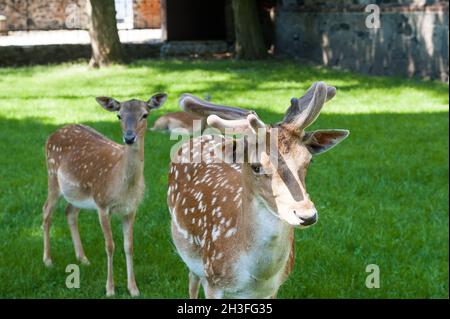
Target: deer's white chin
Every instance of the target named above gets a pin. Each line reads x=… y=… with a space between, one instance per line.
x=288 y=216
x=303 y=226
x=291 y=218
x=133 y=146
x=301 y=220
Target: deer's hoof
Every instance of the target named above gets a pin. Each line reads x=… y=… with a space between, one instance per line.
x=110 y=293
x=48 y=262
x=85 y=261
x=134 y=292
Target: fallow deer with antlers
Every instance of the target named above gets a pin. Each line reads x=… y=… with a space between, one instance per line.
x=92 y=172
x=232 y=223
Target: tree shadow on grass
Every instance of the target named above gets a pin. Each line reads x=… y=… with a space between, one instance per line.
x=249 y=75
x=378 y=186
x=240 y=77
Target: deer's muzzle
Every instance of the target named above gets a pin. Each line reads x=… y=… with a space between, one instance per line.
x=129 y=137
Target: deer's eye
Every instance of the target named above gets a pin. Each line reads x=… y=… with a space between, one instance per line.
x=145 y=116
x=256 y=168
x=119 y=117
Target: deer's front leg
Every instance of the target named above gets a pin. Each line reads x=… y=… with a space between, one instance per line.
x=127 y=226
x=194 y=285
x=105 y=222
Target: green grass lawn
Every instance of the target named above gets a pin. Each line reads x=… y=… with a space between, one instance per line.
x=382 y=195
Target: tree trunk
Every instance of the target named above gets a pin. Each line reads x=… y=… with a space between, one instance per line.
x=105 y=43
x=163 y=5
x=249 y=37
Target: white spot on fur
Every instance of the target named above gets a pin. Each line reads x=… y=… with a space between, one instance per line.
x=230 y=232
x=215 y=233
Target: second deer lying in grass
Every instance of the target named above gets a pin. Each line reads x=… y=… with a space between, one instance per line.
x=178 y=121
x=92 y=172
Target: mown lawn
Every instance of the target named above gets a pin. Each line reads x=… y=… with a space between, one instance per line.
x=382 y=195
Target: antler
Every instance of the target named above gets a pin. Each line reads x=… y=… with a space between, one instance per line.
x=193 y=104
x=221 y=116
x=304 y=111
x=249 y=124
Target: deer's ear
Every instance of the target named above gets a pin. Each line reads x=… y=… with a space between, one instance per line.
x=321 y=141
x=108 y=103
x=156 y=101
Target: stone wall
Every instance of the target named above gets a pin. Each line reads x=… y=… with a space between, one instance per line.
x=68 y=14
x=347 y=3
x=58 y=53
x=38 y=14
x=49 y=54
x=412 y=41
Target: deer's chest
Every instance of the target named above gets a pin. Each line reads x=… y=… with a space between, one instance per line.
x=259 y=271
x=128 y=197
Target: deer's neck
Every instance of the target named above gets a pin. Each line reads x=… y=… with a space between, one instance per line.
x=266 y=235
x=133 y=161
x=262 y=222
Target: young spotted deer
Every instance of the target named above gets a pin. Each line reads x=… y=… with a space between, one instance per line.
x=232 y=223
x=92 y=172
x=179 y=120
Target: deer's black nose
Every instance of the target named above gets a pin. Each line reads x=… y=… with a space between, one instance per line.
x=309 y=221
x=129 y=137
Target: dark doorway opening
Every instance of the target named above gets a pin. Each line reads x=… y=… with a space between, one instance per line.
x=194 y=20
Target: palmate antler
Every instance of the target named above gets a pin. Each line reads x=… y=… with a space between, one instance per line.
x=222 y=117
x=193 y=104
x=301 y=114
